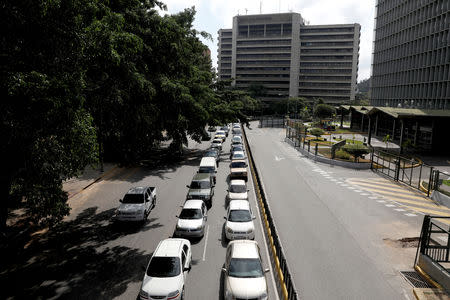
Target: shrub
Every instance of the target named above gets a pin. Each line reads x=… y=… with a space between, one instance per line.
x=317 y=132
x=356 y=150
x=342 y=154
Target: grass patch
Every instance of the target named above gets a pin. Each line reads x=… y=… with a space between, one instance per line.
x=446 y=182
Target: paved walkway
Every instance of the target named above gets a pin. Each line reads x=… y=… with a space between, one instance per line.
x=90 y=175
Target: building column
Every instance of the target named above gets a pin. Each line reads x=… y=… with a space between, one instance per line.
x=401 y=135
x=351 y=119
x=416 y=133
x=376 y=125
x=369 y=132
x=393 y=130
x=362 y=122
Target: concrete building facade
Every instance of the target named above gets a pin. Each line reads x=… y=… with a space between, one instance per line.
x=411 y=56
x=290 y=58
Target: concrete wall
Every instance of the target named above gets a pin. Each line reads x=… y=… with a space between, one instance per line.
x=434 y=270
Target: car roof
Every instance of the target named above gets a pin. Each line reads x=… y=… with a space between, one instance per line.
x=244 y=249
x=235 y=153
x=169 y=247
x=208 y=161
x=237 y=182
x=239 y=160
x=217 y=140
x=239 y=204
x=137 y=190
x=201 y=177
x=193 y=204
x=237 y=136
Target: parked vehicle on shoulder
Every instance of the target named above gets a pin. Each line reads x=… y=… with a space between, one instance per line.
x=137 y=204
x=202 y=188
x=166 y=273
x=237 y=190
x=237 y=155
x=217 y=143
x=239 y=221
x=238 y=169
x=192 y=219
x=208 y=165
x=244 y=276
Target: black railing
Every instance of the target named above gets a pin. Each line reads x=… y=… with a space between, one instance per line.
x=434 y=239
x=272 y=121
x=286 y=284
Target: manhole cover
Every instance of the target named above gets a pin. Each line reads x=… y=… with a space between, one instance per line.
x=415 y=280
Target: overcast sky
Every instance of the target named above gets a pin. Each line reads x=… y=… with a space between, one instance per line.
x=215 y=14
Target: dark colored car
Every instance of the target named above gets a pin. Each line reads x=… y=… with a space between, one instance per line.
x=202 y=188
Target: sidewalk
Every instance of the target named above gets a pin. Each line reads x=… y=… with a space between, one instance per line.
x=89 y=176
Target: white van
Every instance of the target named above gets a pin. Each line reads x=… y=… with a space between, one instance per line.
x=208 y=165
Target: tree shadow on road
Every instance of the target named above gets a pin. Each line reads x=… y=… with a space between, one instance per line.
x=74 y=261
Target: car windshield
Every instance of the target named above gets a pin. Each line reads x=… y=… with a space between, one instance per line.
x=191 y=213
x=237 y=188
x=206 y=170
x=245 y=268
x=200 y=185
x=211 y=154
x=238 y=155
x=164 y=267
x=238 y=164
x=133 y=199
x=239 y=215
x=237 y=148
x=236 y=139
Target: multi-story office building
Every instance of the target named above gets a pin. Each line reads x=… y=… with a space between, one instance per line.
x=411 y=56
x=289 y=58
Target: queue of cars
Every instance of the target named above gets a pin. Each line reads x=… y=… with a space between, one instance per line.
x=165 y=274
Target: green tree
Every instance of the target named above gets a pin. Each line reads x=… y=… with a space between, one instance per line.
x=324 y=111
x=47 y=135
x=356 y=150
x=317 y=132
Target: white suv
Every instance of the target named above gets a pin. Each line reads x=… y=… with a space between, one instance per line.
x=239 y=224
x=244 y=277
x=166 y=272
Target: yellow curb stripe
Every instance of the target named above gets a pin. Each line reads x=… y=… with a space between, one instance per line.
x=431 y=212
x=374 y=181
x=427 y=277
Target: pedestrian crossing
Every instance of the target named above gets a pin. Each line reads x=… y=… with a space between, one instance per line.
x=397 y=197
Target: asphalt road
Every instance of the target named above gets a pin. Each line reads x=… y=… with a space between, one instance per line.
x=340 y=242
x=91 y=257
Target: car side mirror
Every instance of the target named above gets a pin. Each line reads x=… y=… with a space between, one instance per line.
x=215 y=171
x=186 y=269
x=253 y=217
x=188 y=185
x=266 y=270
x=248 y=190
x=224 y=270
x=228 y=190
x=120 y=200
x=225 y=217
x=176 y=216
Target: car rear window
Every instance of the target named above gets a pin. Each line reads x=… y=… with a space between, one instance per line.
x=200 y=184
x=238 y=164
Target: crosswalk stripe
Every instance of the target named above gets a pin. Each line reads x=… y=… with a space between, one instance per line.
x=372 y=180
x=397 y=188
x=433 y=206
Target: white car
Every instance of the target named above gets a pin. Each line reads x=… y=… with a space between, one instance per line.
x=239 y=224
x=237 y=155
x=244 y=276
x=217 y=143
x=137 y=204
x=237 y=190
x=236 y=140
x=192 y=219
x=221 y=134
x=167 y=270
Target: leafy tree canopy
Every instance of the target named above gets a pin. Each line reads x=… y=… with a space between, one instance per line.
x=324 y=111
x=356 y=150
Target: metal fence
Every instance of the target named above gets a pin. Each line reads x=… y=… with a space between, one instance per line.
x=407 y=170
x=272 y=121
x=441 y=182
x=435 y=239
x=286 y=284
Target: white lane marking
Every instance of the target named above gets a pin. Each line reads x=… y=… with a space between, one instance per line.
x=206 y=242
x=338 y=182
x=399 y=209
x=358 y=191
x=344 y=185
x=278 y=158
x=389 y=205
x=365 y=194
x=373 y=197
x=411 y=215
x=332 y=179
x=350 y=188
x=381 y=201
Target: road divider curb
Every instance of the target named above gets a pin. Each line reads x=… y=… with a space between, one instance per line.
x=95 y=181
x=285 y=282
